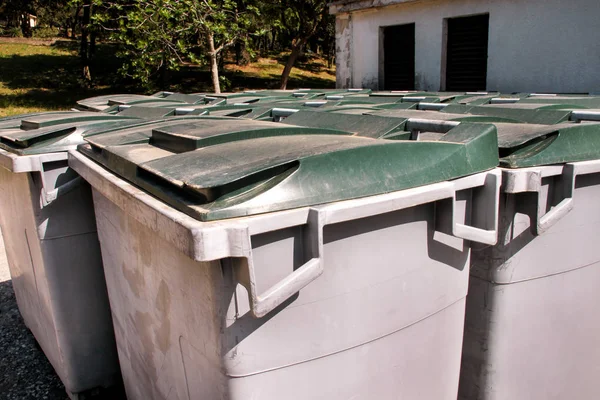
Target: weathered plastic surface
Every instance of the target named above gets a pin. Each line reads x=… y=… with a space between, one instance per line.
x=349 y=327
x=361 y=125
x=585 y=101
x=54 y=258
x=526 y=145
x=192 y=132
x=100 y=103
x=47 y=133
x=147 y=112
x=218 y=169
x=14 y=121
x=522 y=115
x=532 y=329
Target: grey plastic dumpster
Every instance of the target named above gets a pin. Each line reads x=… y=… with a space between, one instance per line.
x=280 y=268
x=532 y=329
x=49 y=232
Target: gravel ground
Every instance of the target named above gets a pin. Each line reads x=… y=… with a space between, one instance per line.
x=25 y=373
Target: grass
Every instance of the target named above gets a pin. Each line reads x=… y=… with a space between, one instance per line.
x=43 y=76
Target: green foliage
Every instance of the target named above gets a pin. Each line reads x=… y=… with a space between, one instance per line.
x=161 y=35
x=14 y=32
x=45 y=32
x=225 y=83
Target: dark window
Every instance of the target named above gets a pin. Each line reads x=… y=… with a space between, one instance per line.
x=467 y=52
x=399 y=57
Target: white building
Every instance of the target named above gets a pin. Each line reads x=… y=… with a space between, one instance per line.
x=32 y=20
x=504 y=45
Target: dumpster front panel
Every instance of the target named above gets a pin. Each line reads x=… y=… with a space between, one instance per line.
x=20 y=240
x=54 y=258
x=185 y=327
x=531 y=323
x=537 y=339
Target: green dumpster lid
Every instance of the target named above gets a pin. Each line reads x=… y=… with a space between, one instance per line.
x=537 y=106
x=45 y=119
x=249 y=111
x=117 y=109
x=238 y=112
x=433 y=115
x=535 y=116
x=14 y=121
x=369 y=100
x=147 y=112
x=399 y=106
x=362 y=125
x=582 y=101
x=186 y=98
x=141 y=132
x=99 y=103
x=264 y=174
x=528 y=145
x=131 y=99
x=471 y=99
x=351 y=110
x=52 y=133
x=412 y=93
x=251 y=99
x=188 y=134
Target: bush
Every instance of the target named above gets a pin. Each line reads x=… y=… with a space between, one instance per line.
x=225 y=83
x=45 y=32
x=14 y=32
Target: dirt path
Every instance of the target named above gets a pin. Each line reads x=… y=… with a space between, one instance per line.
x=33 y=42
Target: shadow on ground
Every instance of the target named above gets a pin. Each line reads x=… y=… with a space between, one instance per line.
x=25 y=373
x=53 y=80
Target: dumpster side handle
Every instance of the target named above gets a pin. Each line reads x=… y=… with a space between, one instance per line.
x=50 y=196
x=264 y=303
x=545 y=221
x=530 y=180
x=486 y=236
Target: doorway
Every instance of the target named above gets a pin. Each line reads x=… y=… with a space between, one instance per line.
x=398 y=57
x=467 y=53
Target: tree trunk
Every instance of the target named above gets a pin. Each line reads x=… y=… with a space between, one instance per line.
x=296 y=50
x=214 y=65
x=238 y=52
x=25 y=27
x=92 y=48
x=273 y=41
x=84 y=50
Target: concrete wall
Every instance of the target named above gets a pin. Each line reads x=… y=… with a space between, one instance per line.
x=534 y=45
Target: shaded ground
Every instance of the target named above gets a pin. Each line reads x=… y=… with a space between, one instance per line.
x=38 y=75
x=25 y=373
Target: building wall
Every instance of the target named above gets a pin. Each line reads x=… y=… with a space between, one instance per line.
x=534 y=45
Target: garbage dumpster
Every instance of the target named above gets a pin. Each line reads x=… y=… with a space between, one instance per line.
x=532 y=328
x=52 y=248
x=281 y=267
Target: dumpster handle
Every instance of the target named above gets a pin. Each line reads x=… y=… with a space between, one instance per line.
x=546 y=220
x=264 y=303
x=49 y=197
x=491 y=189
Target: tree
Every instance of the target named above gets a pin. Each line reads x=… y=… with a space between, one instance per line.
x=49 y=13
x=160 y=35
x=301 y=19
